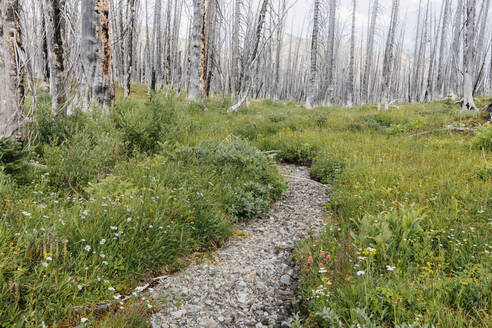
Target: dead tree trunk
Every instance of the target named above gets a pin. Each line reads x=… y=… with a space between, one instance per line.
x=129 y=48
x=468 y=56
x=441 y=68
x=13 y=91
x=370 y=49
x=96 y=48
x=350 y=83
x=194 y=89
x=314 y=57
x=55 y=9
x=245 y=84
x=389 y=55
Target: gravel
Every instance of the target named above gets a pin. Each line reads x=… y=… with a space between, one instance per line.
x=252 y=280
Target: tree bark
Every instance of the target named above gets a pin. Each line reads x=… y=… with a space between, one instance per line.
x=55 y=12
x=12 y=121
x=96 y=48
x=370 y=49
x=194 y=89
x=350 y=83
x=129 y=48
x=468 y=56
x=314 y=56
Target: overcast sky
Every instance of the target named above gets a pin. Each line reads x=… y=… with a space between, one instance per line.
x=300 y=16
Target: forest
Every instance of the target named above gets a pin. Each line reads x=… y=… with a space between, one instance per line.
x=235 y=163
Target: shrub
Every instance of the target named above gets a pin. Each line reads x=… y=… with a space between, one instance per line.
x=483 y=137
x=484 y=173
x=326 y=169
x=143 y=126
x=12 y=156
x=87 y=155
x=290 y=148
x=253 y=178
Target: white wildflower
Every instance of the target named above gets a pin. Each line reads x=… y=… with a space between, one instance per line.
x=102 y=242
x=87 y=248
x=361 y=273
x=390 y=268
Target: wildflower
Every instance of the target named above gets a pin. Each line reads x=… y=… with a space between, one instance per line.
x=49 y=258
x=87 y=248
x=26 y=214
x=102 y=255
x=105 y=262
x=114 y=228
x=111 y=289
x=322 y=254
x=79 y=287
x=45 y=264
x=361 y=273
x=328 y=258
x=149 y=306
x=129 y=220
x=310 y=260
x=102 y=242
x=84 y=320
x=390 y=268
x=85 y=212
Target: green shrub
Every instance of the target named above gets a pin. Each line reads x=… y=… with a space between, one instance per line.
x=290 y=148
x=326 y=169
x=143 y=126
x=483 y=137
x=87 y=155
x=484 y=173
x=12 y=156
x=254 y=178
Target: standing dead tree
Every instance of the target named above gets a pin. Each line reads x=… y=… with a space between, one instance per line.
x=97 y=56
x=252 y=58
x=314 y=56
x=468 y=57
x=56 y=30
x=12 y=91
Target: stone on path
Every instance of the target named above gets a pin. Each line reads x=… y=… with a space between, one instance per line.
x=253 y=281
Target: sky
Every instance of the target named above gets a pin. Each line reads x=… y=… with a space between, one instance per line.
x=301 y=13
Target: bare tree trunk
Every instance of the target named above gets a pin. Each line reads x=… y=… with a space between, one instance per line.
x=12 y=122
x=389 y=55
x=96 y=49
x=331 y=50
x=157 y=49
x=370 y=50
x=194 y=89
x=44 y=45
x=314 y=57
x=203 y=47
x=235 y=47
x=246 y=86
x=56 y=29
x=441 y=68
x=350 y=84
x=129 y=48
x=468 y=56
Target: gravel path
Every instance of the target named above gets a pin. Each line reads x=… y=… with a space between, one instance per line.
x=252 y=281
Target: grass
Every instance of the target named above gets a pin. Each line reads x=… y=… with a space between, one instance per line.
x=127 y=196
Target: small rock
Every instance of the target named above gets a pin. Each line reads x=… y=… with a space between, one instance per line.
x=285 y=279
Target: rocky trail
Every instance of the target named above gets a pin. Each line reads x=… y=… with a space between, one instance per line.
x=252 y=280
